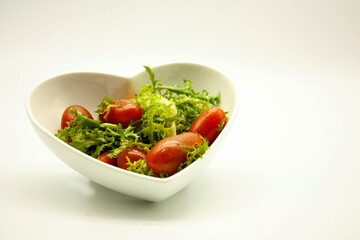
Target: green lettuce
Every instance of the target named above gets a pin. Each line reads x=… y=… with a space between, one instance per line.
x=166 y=111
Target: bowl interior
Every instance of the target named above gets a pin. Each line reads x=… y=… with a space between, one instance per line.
x=48 y=100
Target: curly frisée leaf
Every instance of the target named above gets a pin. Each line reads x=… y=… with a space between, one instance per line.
x=93 y=137
x=188 y=90
x=158 y=119
x=221 y=125
x=152 y=78
x=189 y=104
x=104 y=104
x=194 y=152
x=139 y=166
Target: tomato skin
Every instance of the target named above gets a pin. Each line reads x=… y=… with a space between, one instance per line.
x=125 y=113
x=207 y=123
x=134 y=154
x=69 y=117
x=167 y=155
x=107 y=159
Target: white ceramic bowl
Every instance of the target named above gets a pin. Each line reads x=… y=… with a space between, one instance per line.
x=88 y=89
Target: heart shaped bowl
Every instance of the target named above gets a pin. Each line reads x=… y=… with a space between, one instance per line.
x=47 y=101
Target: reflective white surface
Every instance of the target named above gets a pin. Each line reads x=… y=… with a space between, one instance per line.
x=290 y=171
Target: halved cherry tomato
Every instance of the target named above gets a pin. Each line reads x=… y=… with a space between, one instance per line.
x=69 y=117
x=106 y=159
x=167 y=155
x=207 y=123
x=134 y=154
x=121 y=111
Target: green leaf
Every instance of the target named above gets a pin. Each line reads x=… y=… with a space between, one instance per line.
x=193 y=153
x=152 y=78
x=93 y=137
x=221 y=126
x=103 y=104
x=189 y=103
x=139 y=166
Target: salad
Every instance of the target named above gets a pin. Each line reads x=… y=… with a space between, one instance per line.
x=159 y=133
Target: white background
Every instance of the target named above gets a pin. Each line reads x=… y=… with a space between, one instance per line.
x=288 y=170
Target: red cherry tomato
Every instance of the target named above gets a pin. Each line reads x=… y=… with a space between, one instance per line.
x=106 y=159
x=167 y=155
x=121 y=111
x=207 y=123
x=69 y=117
x=134 y=154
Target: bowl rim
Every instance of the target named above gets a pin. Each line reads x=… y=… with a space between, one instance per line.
x=123 y=171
